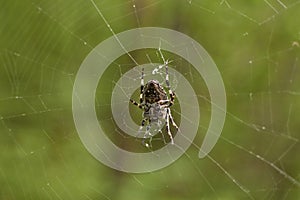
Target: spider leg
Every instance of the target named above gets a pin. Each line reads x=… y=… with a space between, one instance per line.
x=136 y=104
x=167 y=77
x=163 y=136
x=142 y=125
x=168 y=127
x=148 y=135
x=172 y=96
x=171 y=93
x=172 y=120
x=140 y=105
x=164 y=102
x=142 y=86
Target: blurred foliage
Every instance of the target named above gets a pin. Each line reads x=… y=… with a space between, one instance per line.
x=255 y=45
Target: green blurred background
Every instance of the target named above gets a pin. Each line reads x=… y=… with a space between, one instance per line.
x=255 y=45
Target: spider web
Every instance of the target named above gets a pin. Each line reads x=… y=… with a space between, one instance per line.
x=256 y=49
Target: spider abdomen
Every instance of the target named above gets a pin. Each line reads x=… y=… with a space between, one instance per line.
x=156 y=114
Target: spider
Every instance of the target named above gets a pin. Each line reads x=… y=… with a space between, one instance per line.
x=156 y=105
